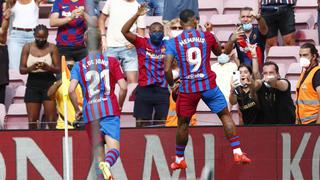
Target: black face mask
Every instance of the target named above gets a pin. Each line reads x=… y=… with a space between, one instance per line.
x=40 y=43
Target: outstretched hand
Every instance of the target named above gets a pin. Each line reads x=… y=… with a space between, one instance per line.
x=208 y=26
x=142 y=10
x=237 y=33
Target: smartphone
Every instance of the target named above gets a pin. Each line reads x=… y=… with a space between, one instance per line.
x=236 y=77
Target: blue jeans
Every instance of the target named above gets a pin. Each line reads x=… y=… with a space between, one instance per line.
x=16 y=42
x=127 y=57
x=155 y=6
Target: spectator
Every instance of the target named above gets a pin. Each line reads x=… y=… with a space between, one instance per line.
x=318 y=21
x=279 y=15
x=119 y=12
x=155 y=7
x=55 y=92
x=39 y=59
x=308 y=86
x=152 y=92
x=172 y=9
x=175 y=29
x=72 y=19
x=247 y=34
x=4 y=64
x=25 y=15
x=276 y=105
x=224 y=69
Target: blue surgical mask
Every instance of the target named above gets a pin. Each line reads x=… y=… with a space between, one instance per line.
x=156 y=38
x=247 y=27
x=223 y=58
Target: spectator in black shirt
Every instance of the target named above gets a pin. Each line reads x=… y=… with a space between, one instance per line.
x=276 y=105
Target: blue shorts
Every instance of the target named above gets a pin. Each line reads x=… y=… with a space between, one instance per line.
x=214 y=99
x=109 y=126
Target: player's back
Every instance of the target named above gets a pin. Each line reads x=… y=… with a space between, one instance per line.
x=97 y=77
x=192 y=50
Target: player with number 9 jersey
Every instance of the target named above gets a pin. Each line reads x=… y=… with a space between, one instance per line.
x=97 y=75
x=192 y=50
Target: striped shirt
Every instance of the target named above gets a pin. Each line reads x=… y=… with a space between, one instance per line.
x=274 y=2
x=151 y=63
x=192 y=51
x=98 y=74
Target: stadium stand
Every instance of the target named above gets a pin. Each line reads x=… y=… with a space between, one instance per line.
x=209 y=8
x=225 y=22
x=304 y=20
x=44 y=10
x=17 y=117
x=307 y=35
x=19 y=95
x=309 y=6
x=294 y=71
x=284 y=55
x=223 y=36
x=234 y=6
x=2 y=115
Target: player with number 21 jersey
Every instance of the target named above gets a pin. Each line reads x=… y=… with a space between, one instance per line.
x=97 y=77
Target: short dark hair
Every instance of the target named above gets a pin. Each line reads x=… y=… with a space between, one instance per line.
x=270 y=63
x=186 y=15
x=246 y=9
x=312 y=48
x=39 y=28
x=156 y=24
x=93 y=40
x=246 y=66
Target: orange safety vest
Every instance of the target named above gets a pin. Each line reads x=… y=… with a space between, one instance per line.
x=172 y=118
x=307 y=103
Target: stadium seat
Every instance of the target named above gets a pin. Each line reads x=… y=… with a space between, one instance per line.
x=2 y=115
x=19 y=95
x=44 y=10
x=16 y=79
x=52 y=38
x=307 y=35
x=304 y=20
x=234 y=6
x=17 y=117
x=293 y=85
x=207 y=119
x=10 y=91
x=294 y=71
x=202 y=107
x=309 y=6
x=151 y=19
x=223 y=36
x=209 y=8
x=284 y=54
x=282 y=69
x=225 y=22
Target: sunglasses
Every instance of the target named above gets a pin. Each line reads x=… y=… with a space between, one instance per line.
x=176 y=28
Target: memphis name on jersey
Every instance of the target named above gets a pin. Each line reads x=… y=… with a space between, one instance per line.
x=190 y=40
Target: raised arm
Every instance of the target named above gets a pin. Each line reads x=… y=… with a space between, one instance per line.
x=131 y=37
x=262 y=25
x=233 y=39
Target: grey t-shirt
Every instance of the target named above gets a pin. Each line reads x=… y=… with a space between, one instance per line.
x=172 y=8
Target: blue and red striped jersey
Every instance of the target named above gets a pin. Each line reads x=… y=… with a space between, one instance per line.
x=151 y=62
x=98 y=74
x=192 y=50
x=71 y=34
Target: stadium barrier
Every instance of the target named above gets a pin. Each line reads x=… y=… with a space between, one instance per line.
x=278 y=152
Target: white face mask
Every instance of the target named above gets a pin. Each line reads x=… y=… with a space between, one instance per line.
x=175 y=33
x=175 y=73
x=223 y=58
x=304 y=62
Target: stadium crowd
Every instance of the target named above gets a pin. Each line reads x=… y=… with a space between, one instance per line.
x=251 y=82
